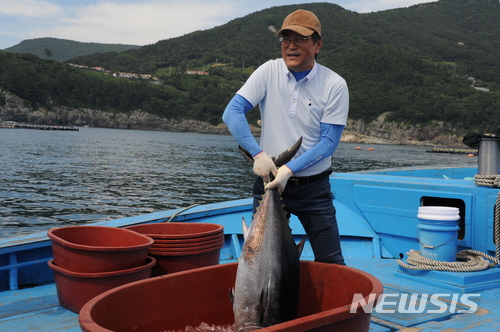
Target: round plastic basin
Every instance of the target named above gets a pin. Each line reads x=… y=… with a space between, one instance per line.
x=173 y=302
x=183 y=248
x=177 y=230
x=74 y=289
x=98 y=248
x=188 y=241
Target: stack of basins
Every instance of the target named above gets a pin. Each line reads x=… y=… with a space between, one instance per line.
x=180 y=246
x=89 y=260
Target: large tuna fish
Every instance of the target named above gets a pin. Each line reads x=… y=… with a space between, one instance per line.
x=267 y=279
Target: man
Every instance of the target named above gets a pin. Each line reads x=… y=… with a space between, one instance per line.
x=297 y=98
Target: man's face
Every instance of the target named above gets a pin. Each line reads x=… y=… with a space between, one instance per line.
x=299 y=58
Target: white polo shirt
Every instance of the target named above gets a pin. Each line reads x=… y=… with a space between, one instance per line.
x=290 y=110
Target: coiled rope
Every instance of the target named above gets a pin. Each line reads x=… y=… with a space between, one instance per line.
x=487 y=180
x=467 y=260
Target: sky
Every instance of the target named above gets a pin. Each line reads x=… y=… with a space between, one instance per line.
x=139 y=22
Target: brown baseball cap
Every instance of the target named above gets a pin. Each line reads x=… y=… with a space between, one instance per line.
x=301 y=21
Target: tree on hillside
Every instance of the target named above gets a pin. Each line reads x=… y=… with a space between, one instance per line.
x=47 y=52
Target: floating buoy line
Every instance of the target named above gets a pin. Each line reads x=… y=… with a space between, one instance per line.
x=359 y=148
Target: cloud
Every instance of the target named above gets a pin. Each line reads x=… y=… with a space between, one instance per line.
x=138 y=23
x=135 y=21
x=29 y=8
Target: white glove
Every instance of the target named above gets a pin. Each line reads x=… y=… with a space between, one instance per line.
x=284 y=173
x=263 y=165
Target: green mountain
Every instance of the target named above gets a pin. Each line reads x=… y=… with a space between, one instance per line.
x=62 y=49
x=462 y=34
x=418 y=65
x=49 y=84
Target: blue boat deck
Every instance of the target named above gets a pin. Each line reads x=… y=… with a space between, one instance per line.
x=39 y=310
x=377 y=219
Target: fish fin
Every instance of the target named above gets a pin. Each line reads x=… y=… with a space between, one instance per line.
x=260 y=202
x=280 y=160
x=244 y=227
x=231 y=295
x=248 y=157
x=268 y=291
x=300 y=246
x=265 y=300
x=287 y=155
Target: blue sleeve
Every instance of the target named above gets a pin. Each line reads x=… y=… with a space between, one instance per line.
x=235 y=119
x=330 y=138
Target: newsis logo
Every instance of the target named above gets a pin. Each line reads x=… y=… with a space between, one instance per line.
x=416 y=303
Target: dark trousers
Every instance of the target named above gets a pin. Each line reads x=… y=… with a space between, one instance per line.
x=312 y=203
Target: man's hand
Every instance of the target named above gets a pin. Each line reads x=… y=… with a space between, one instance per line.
x=263 y=165
x=284 y=173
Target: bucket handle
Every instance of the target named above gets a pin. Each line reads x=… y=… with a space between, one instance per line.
x=431 y=247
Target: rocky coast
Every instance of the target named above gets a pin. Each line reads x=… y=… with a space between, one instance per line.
x=379 y=131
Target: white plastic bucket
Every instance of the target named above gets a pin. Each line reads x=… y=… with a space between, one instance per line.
x=438 y=232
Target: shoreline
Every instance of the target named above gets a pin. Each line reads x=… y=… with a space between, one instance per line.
x=349 y=137
x=195 y=126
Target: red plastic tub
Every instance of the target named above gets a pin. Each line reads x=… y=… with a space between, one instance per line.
x=190 y=298
x=74 y=289
x=192 y=247
x=176 y=241
x=171 y=262
x=98 y=248
x=178 y=230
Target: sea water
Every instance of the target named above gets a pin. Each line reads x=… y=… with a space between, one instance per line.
x=56 y=178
